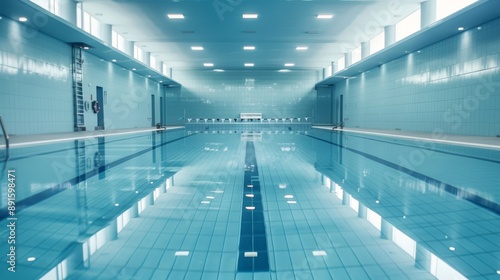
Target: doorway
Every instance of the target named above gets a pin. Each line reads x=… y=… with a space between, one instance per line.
x=100 y=113
x=341 y=110
x=153 y=113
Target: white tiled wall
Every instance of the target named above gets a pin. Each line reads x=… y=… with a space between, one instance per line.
x=35 y=79
x=36 y=93
x=127 y=97
x=452 y=86
x=209 y=94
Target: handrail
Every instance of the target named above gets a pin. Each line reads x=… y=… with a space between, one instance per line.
x=5 y=135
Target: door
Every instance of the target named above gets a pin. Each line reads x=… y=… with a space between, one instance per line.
x=341 y=110
x=153 y=110
x=162 y=111
x=100 y=113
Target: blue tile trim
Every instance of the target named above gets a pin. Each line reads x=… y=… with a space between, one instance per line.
x=253 y=228
x=461 y=193
x=36 y=198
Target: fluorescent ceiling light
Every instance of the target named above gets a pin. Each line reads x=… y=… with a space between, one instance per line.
x=175 y=16
x=249 y=48
x=133 y=69
x=197 y=48
x=250 y=15
x=114 y=60
x=460 y=28
x=208 y=64
x=289 y=64
x=284 y=70
x=23 y=19
x=249 y=64
x=324 y=16
x=219 y=70
x=301 y=48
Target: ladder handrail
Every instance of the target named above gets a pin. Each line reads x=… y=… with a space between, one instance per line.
x=5 y=134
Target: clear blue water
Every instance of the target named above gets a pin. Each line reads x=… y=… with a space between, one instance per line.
x=269 y=205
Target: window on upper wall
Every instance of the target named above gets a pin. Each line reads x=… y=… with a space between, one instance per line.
x=87 y=22
x=445 y=8
x=356 y=55
x=377 y=43
x=95 y=27
x=408 y=25
x=117 y=41
x=138 y=53
x=328 y=71
x=79 y=15
x=164 y=69
x=49 y=5
x=341 y=63
x=152 y=62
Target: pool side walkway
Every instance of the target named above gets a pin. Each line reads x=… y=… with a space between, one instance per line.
x=451 y=139
x=39 y=139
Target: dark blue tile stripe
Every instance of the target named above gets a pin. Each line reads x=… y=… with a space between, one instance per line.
x=461 y=193
x=253 y=229
x=36 y=198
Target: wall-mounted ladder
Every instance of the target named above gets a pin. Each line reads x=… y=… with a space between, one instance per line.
x=77 y=71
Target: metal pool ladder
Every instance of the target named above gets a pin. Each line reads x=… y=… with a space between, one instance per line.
x=6 y=136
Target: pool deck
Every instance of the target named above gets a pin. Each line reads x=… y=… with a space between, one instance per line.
x=436 y=137
x=452 y=139
x=17 y=141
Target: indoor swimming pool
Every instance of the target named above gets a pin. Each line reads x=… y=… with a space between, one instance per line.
x=232 y=204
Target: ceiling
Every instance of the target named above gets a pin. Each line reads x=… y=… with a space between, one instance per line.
x=218 y=26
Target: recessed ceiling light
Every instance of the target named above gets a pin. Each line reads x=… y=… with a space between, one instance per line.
x=324 y=16
x=460 y=29
x=86 y=47
x=175 y=16
x=250 y=15
x=218 y=70
x=197 y=48
x=23 y=19
x=161 y=81
x=249 y=48
x=114 y=60
x=31 y=259
x=249 y=64
x=133 y=69
x=208 y=64
x=301 y=48
x=284 y=70
x=289 y=64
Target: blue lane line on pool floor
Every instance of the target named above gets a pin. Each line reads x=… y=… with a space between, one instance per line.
x=38 y=197
x=253 y=254
x=458 y=192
